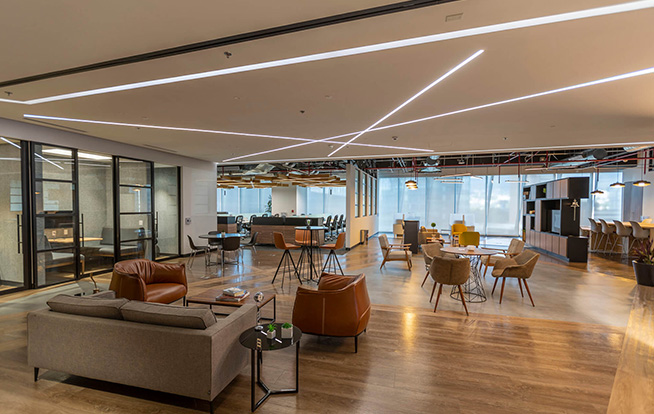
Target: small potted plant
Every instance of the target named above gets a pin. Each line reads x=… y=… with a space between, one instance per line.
x=433 y=226
x=270 y=332
x=644 y=263
x=287 y=331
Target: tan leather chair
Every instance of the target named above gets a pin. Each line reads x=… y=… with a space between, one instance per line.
x=449 y=271
x=340 y=307
x=520 y=267
x=332 y=259
x=393 y=252
x=516 y=246
x=148 y=281
x=286 y=263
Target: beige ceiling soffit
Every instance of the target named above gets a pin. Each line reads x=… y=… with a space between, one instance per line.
x=494 y=28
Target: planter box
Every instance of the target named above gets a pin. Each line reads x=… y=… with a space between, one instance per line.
x=271 y=335
x=287 y=333
x=644 y=273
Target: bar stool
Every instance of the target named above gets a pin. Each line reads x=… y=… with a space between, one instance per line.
x=623 y=232
x=287 y=259
x=596 y=233
x=638 y=232
x=304 y=238
x=332 y=259
x=608 y=231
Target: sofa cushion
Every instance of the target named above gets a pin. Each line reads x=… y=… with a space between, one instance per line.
x=88 y=306
x=168 y=315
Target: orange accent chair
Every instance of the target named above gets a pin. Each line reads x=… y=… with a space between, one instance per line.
x=148 y=281
x=332 y=259
x=340 y=307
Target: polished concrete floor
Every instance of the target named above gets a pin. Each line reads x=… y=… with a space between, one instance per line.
x=560 y=356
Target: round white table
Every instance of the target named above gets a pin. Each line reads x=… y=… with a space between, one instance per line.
x=473 y=289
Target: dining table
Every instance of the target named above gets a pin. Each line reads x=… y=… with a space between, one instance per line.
x=307 y=262
x=473 y=288
x=218 y=237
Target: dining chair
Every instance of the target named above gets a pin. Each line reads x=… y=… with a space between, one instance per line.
x=623 y=232
x=328 y=225
x=449 y=271
x=394 y=252
x=516 y=246
x=457 y=229
x=596 y=234
x=520 y=267
x=608 y=230
x=429 y=251
x=332 y=259
x=230 y=244
x=195 y=250
x=639 y=233
x=647 y=221
x=286 y=263
x=253 y=241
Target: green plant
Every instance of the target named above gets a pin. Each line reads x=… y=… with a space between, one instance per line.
x=287 y=325
x=269 y=205
x=271 y=327
x=644 y=252
x=433 y=225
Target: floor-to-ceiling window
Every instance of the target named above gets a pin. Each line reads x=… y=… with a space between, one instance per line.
x=135 y=216
x=12 y=218
x=96 y=211
x=245 y=201
x=55 y=232
x=166 y=215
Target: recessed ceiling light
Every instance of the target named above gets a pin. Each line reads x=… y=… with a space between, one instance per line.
x=411 y=99
x=494 y=28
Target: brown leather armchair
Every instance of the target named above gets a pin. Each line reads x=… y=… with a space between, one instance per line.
x=340 y=307
x=148 y=281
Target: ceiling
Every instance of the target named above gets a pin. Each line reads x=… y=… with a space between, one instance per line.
x=325 y=98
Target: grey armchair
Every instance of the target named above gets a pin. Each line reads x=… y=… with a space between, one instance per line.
x=520 y=267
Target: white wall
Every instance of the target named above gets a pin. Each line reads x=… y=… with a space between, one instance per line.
x=635 y=174
x=198 y=192
x=356 y=224
x=284 y=200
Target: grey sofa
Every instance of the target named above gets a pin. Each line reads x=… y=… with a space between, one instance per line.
x=197 y=363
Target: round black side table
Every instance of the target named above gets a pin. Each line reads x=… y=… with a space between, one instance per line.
x=257 y=342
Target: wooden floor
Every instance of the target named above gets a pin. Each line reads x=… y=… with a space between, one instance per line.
x=560 y=356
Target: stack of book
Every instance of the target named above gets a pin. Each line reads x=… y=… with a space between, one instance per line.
x=233 y=294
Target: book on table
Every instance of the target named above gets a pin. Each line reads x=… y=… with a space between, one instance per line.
x=234 y=292
x=225 y=298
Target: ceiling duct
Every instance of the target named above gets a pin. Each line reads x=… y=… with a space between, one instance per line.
x=260 y=169
x=578 y=160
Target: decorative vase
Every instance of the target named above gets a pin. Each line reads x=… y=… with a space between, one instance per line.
x=287 y=333
x=644 y=273
x=270 y=334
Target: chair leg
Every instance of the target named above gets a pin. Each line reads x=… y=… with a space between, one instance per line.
x=485 y=269
x=279 y=265
x=36 y=374
x=295 y=268
x=408 y=261
x=432 y=292
x=425 y=279
x=356 y=344
x=463 y=300
x=440 y=289
x=520 y=284
x=502 y=292
x=529 y=293
x=339 y=265
x=495 y=284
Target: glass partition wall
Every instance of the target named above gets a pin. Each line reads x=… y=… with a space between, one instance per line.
x=67 y=211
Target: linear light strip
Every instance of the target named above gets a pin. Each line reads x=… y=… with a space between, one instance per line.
x=451 y=71
x=37 y=155
x=628 y=75
x=518 y=24
x=209 y=131
x=411 y=99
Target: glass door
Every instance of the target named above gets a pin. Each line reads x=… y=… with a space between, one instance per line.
x=135 y=218
x=166 y=216
x=12 y=275
x=55 y=230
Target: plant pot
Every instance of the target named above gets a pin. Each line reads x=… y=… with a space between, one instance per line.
x=271 y=335
x=644 y=273
x=287 y=333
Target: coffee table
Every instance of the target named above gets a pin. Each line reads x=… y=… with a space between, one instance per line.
x=208 y=297
x=257 y=342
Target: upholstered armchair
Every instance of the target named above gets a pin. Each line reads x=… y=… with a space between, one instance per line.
x=148 y=281
x=449 y=271
x=429 y=251
x=516 y=246
x=520 y=267
x=339 y=307
x=392 y=252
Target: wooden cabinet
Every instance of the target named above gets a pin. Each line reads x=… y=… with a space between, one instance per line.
x=563 y=246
